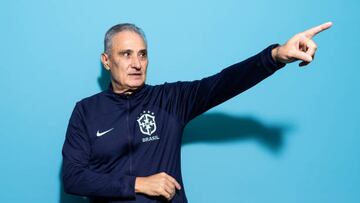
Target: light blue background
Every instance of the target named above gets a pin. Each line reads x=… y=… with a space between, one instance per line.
x=50 y=59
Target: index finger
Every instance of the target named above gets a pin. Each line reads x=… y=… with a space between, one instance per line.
x=316 y=30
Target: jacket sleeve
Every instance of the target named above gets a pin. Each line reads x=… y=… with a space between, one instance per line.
x=77 y=178
x=194 y=98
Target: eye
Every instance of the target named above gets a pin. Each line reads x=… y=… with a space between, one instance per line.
x=126 y=53
x=143 y=54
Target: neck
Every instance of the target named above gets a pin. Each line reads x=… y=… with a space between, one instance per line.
x=123 y=90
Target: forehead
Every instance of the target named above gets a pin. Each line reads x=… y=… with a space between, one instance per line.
x=128 y=40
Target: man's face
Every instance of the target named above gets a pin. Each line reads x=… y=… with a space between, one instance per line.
x=127 y=61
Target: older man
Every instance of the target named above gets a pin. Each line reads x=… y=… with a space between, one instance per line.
x=123 y=144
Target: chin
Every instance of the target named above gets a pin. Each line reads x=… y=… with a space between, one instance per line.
x=135 y=85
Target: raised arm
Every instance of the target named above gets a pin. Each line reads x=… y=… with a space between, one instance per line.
x=194 y=98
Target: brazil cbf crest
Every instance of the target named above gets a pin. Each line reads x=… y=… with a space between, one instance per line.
x=147 y=125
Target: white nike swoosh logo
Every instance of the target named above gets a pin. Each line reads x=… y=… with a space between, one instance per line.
x=99 y=134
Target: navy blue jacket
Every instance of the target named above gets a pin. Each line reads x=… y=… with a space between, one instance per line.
x=113 y=138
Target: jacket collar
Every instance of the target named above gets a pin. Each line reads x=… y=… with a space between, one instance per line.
x=134 y=94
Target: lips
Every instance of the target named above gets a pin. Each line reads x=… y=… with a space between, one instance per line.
x=135 y=74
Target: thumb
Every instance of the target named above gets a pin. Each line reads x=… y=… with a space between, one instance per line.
x=299 y=55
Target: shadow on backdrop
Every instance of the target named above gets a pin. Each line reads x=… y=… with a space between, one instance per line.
x=104 y=79
x=219 y=128
x=214 y=128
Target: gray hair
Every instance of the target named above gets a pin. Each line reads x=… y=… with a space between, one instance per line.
x=119 y=28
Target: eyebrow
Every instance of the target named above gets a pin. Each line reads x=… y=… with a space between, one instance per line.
x=132 y=51
x=143 y=50
x=126 y=50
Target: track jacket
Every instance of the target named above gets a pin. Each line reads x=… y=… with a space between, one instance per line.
x=113 y=138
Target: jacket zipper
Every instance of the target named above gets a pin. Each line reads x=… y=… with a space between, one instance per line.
x=129 y=135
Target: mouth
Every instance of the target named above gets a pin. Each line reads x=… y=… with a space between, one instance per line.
x=139 y=73
x=135 y=74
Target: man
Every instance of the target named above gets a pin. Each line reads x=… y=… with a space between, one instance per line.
x=123 y=144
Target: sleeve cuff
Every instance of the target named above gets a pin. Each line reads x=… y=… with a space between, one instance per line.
x=267 y=60
x=126 y=185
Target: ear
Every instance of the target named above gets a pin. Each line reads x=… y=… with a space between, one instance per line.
x=105 y=61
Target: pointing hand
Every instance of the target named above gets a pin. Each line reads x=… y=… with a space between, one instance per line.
x=299 y=47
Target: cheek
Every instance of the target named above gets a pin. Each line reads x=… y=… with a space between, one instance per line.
x=118 y=71
x=145 y=64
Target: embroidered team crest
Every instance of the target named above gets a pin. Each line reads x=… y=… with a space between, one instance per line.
x=147 y=123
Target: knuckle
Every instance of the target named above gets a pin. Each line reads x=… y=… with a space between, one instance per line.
x=302 y=36
x=313 y=47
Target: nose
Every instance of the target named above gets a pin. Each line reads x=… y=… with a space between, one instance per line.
x=135 y=63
